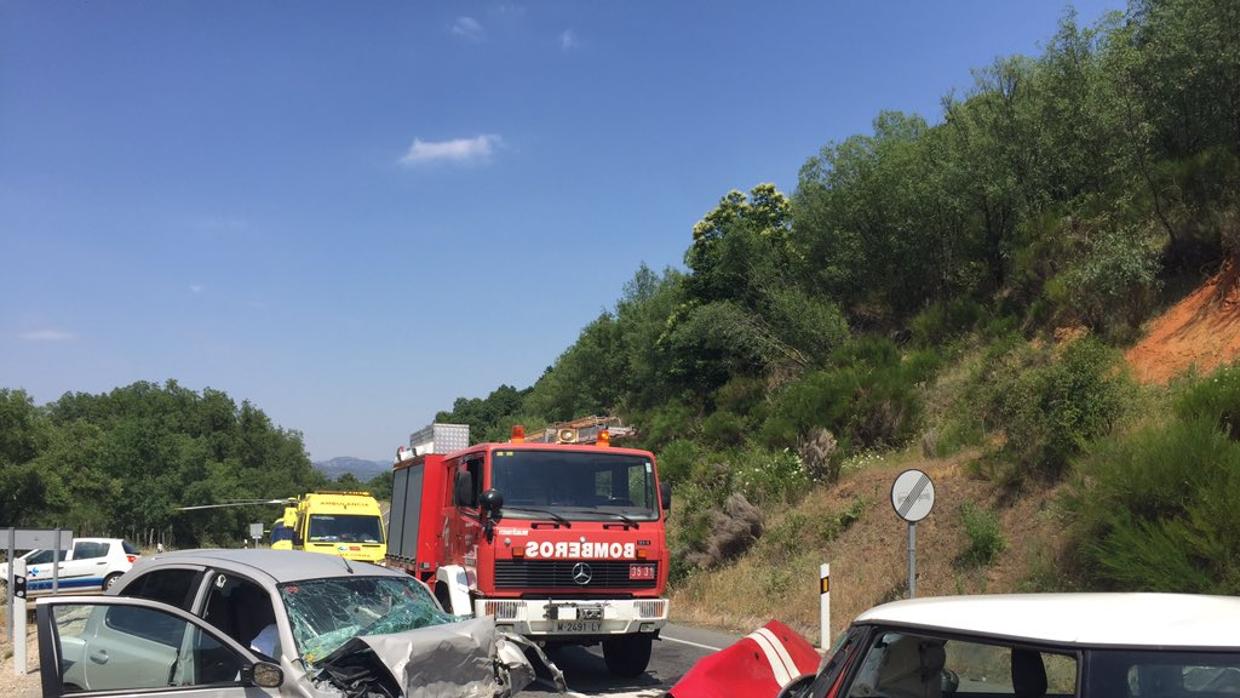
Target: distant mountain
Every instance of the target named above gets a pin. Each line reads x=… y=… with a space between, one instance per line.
x=360 y=468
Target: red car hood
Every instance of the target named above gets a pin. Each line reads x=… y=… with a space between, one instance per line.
x=758 y=665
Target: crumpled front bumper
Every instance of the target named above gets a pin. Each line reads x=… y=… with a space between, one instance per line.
x=470 y=659
x=540 y=618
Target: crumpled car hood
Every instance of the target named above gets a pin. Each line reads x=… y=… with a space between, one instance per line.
x=469 y=659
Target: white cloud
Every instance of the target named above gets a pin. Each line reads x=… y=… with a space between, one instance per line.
x=197 y=288
x=468 y=28
x=569 y=40
x=47 y=336
x=461 y=150
x=510 y=9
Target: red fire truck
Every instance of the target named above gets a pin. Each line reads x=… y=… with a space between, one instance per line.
x=561 y=540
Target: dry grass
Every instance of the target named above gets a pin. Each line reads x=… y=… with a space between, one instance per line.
x=868 y=559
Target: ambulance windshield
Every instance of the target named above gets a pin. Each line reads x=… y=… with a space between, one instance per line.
x=345 y=528
x=575 y=484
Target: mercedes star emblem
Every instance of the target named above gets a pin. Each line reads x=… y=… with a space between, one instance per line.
x=582 y=574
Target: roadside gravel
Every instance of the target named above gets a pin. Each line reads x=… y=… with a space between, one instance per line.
x=25 y=686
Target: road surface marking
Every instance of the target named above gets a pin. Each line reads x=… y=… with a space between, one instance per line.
x=691 y=644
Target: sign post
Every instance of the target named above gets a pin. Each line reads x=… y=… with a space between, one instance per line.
x=912 y=496
x=256 y=532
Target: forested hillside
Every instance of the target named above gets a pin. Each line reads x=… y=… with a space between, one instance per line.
x=120 y=463
x=955 y=281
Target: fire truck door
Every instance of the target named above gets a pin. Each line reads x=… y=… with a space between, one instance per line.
x=464 y=526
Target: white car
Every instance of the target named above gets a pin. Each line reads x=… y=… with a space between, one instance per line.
x=252 y=623
x=1019 y=646
x=89 y=564
x=1088 y=645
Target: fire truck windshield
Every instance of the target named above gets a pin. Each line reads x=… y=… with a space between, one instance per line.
x=345 y=528
x=580 y=485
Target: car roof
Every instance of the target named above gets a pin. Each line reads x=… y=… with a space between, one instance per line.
x=1128 y=620
x=278 y=566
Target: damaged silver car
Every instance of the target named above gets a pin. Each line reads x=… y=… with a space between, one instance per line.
x=286 y=623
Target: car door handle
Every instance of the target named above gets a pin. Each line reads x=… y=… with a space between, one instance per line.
x=102 y=563
x=99 y=657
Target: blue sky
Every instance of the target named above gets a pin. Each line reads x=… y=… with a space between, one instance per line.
x=352 y=213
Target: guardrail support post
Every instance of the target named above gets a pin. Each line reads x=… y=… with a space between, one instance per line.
x=824 y=605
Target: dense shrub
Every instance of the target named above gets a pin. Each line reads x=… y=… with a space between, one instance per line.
x=676 y=460
x=868 y=398
x=984 y=534
x=1046 y=403
x=1215 y=398
x=1155 y=510
x=767 y=476
x=724 y=429
x=944 y=321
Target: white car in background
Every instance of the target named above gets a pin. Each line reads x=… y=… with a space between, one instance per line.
x=89 y=564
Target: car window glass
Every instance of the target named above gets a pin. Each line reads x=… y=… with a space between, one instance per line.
x=242 y=610
x=124 y=648
x=1153 y=674
x=129 y=548
x=175 y=587
x=87 y=550
x=901 y=664
x=44 y=557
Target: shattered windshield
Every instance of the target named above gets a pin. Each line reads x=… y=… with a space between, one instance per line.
x=575 y=484
x=345 y=528
x=326 y=613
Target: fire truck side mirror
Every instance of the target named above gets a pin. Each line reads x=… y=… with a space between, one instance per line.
x=462 y=490
x=665 y=496
x=491 y=501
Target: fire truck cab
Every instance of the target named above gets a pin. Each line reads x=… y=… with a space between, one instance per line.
x=559 y=541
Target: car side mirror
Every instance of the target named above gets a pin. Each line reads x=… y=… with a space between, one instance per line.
x=491 y=502
x=264 y=675
x=665 y=496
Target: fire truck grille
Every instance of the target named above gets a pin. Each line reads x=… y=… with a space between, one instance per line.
x=559 y=574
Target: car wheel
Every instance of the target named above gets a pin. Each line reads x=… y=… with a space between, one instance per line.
x=109 y=580
x=627 y=656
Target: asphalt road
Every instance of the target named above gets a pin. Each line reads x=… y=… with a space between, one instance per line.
x=677 y=650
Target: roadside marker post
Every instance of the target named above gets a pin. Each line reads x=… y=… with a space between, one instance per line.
x=824 y=605
x=8 y=584
x=18 y=594
x=31 y=539
x=912 y=497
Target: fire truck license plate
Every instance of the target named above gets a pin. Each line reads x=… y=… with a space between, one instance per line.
x=578 y=626
x=641 y=571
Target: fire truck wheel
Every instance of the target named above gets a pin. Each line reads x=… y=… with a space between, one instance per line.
x=627 y=656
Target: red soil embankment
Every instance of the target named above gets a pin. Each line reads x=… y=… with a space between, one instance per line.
x=1202 y=330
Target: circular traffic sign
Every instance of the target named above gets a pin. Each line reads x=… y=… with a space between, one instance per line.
x=912 y=495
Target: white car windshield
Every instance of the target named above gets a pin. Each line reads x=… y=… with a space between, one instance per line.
x=326 y=613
